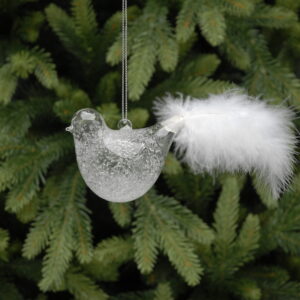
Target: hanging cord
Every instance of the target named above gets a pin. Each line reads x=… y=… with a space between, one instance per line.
x=124 y=61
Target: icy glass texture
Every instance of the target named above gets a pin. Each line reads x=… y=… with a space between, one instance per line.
x=118 y=165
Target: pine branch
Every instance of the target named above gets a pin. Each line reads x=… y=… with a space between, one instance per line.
x=22 y=268
x=12 y=5
x=172 y=165
x=9 y=291
x=236 y=54
x=212 y=23
x=194 y=227
x=17 y=117
x=278 y=290
x=163 y=292
x=4 y=240
x=38 y=183
x=58 y=257
x=186 y=20
x=112 y=27
x=275 y=283
x=83 y=229
x=141 y=65
x=221 y=263
x=172 y=240
x=25 y=189
x=267 y=76
x=246 y=289
x=273 y=16
x=139 y=295
x=180 y=253
x=82 y=287
x=238 y=7
x=102 y=271
x=226 y=216
x=197 y=191
x=65 y=226
x=15 y=122
x=198 y=87
x=202 y=65
x=72 y=98
x=65 y=236
x=61 y=243
x=145 y=239
x=44 y=69
x=22 y=63
x=66 y=108
x=136 y=25
x=109 y=255
x=201 y=87
x=29 y=211
x=168 y=51
x=138 y=117
x=39 y=234
x=122 y=213
x=36 y=61
x=30 y=26
x=247 y=241
x=110 y=113
x=264 y=194
x=290 y=4
x=186 y=46
x=14 y=146
x=114 y=250
x=193 y=189
x=26 y=170
x=85 y=20
x=8 y=84
x=114 y=53
x=108 y=86
x=145 y=48
x=65 y=29
x=281 y=226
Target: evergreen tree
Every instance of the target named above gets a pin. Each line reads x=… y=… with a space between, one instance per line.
x=192 y=236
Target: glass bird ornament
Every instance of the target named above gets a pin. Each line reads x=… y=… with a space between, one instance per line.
x=230 y=132
x=118 y=165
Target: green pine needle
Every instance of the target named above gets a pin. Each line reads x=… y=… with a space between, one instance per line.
x=212 y=24
x=186 y=20
x=163 y=292
x=122 y=213
x=8 y=84
x=83 y=288
x=153 y=229
x=64 y=27
x=84 y=18
x=114 y=250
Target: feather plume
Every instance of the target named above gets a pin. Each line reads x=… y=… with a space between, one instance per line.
x=233 y=132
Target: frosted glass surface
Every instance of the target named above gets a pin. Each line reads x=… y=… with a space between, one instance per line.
x=118 y=165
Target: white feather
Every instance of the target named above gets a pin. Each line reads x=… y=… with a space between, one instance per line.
x=234 y=132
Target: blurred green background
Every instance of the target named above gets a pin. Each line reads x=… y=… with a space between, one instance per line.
x=191 y=237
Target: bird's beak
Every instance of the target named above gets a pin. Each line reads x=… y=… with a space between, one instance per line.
x=70 y=128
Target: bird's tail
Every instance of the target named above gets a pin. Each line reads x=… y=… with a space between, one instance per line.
x=232 y=132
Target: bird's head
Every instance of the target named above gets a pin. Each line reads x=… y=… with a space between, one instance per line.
x=86 y=123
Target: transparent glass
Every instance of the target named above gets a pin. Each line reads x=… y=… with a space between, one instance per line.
x=118 y=165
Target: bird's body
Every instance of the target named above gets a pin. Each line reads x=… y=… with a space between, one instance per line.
x=118 y=165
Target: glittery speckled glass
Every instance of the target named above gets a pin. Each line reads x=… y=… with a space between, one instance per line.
x=118 y=165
